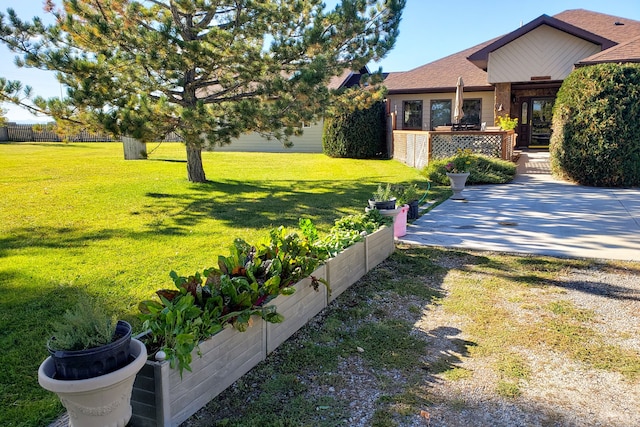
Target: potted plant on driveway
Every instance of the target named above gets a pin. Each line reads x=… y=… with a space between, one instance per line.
x=458 y=170
x=92 y=365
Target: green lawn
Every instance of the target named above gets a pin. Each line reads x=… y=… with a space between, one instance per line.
x=79 y=222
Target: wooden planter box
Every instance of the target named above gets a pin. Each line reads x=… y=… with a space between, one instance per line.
x=297 y=309
x=346 y=268
x=379 y=246
x=161 y=398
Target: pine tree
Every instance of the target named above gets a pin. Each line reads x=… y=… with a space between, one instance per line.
x=209 y=70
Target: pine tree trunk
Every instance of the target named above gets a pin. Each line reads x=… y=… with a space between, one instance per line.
x=195 y=171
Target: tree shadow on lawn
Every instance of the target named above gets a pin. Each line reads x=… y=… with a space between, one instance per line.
x=264 y=204
x=51 y=238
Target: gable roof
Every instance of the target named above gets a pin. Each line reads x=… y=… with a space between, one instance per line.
x=481 y=57
x=616 y=36
x=441 y=75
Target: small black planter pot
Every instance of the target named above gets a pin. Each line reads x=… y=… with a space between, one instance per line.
x=93 y=362
x=413 y=212
x=387 y=204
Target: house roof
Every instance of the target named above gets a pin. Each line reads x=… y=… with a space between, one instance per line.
x=481 y=57
x=604 y=25
x=441 y=75
x=624 y=52
x=348 y=78
x=616 y=36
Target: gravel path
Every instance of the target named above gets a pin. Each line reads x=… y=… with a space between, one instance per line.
x=559 y=391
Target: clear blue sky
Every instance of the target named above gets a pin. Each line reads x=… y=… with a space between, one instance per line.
x=429 y=30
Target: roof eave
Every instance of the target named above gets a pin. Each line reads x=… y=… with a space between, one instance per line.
x=481 y=57
x=608 y=61
x=487 y=88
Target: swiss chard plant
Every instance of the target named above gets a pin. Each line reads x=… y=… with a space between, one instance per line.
x=230 y=293
x=243 y=283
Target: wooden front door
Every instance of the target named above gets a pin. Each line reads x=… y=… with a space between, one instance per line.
x=523 y=122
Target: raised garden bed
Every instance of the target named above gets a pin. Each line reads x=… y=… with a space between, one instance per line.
x=162 y=398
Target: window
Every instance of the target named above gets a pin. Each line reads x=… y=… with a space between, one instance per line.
x=412 y=118
x=472 y=112
x=440 y=113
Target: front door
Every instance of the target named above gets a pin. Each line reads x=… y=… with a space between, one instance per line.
x=523 y=123
x=540 y=122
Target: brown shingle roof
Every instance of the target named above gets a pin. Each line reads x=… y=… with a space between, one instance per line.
x=628 y=51
x=441 y=75
x=602 y=24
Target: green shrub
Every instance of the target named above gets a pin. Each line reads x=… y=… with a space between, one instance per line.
x=596 y=138
x=486 y=170
x=85 y=327
x=358 y=134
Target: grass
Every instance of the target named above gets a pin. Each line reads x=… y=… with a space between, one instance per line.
x=79 y=223
x=323 y=360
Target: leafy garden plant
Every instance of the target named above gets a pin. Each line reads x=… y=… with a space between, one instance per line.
x=243 y=283
x=506 y=122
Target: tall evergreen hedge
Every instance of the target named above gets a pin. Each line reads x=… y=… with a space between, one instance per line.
x=596 y=126
x=359 y=134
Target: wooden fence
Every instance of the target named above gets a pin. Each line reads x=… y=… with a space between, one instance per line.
x=35 y=133
x=416 y=148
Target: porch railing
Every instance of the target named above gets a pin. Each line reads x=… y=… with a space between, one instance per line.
x=416 y=148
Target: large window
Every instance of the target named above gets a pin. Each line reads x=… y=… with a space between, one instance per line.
x=412 y=118
x=440 y=112
x=472 y=112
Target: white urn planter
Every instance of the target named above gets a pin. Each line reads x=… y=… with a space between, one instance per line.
x=458 y=182
x=102 y=401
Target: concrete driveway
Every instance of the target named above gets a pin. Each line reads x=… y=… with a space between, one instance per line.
x=536 y=215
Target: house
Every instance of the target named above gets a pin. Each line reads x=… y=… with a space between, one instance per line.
x=517 y=74
x=311 y=139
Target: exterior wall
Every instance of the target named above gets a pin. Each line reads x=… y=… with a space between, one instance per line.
x=309 y=142
x=544 y=51
x=396 y=105
x=503 y=99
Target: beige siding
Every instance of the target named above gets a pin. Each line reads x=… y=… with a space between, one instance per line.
x=309 y=142
x=544 y=51
x=396 y=105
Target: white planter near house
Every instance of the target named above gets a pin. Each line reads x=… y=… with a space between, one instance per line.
x=458 y=181
x=378 y=246
x=101 y=401
x=161 y=398
x=345 y=269
x=297 y=309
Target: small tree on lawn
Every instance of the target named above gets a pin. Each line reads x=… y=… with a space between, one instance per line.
x=206 y=69
x=3 y=119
